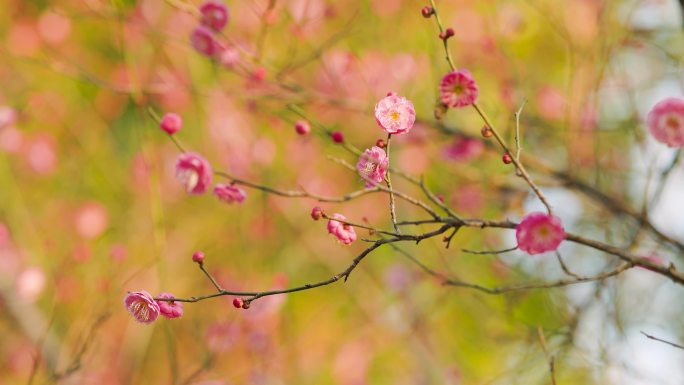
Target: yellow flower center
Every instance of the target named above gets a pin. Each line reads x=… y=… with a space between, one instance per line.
x=672 y=122
x=394 y=115
x=458 y=89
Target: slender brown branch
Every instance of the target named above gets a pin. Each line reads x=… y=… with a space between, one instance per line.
x=663 y=341
x=393 y=213
x=253 y=295
x=484 y=252
x=551 y=359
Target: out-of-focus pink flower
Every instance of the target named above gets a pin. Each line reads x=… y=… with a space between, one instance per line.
x=8 y=116
x=372 y=165
x=395 y=114
x=222 y=336
x=170 y=309
x=302 y=127
x=91 y=220
x=666 y=122
x=171 y=123
x=142 y=306
x=229 y=193
x=203 y=40
x=54 y=27
x=5 y=237
x=118 y=252
x=41 y=154
x=463 y=149
x=458 y=89
x=539 y=232
x=229 y=57
x=469 y=199
x=194 y=172
x=215 y=14
x=551 y=103
x=30 y=283
x=344 y=232
x=258 y=75
x=11 y=140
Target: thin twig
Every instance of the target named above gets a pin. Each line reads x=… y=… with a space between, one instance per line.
x=484 y=252
x=518 y=140
x=663 y=341
x=549 y=357
x=393 y=213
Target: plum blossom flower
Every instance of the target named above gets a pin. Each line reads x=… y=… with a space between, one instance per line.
x=372 y=165
x=171 y=123
x=458 y=89
x=539 y=233
x=395 y=114
x=194 y=172
x=203 y=40
x=214 y=15
x=666 y=122
x=229 y=193
x=142 y=306
x=345 y=233
x=170 y=309
x=8 y=116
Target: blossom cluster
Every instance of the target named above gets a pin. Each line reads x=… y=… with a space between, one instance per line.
x=145 y=309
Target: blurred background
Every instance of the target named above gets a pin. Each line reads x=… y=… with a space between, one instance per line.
x=90 y=207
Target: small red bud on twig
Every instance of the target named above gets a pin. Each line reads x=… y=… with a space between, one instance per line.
x=337 y=137
x=486 y=132
x=238 y=303
x=198 y=257
x=507 y=158
x=427 y=11
x=449 y=32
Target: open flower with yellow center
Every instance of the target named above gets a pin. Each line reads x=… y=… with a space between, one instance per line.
x=458 y=89
x=666 y=122
x=372 y=166
x=539 y=233
x=395 y=114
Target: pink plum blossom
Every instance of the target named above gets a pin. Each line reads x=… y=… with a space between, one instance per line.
x=30 y=284
x=142 y=306
x=214 y=15
x=91 y=220
x=539 y=232
x=170 y=309
x=372 y=165
x=194 y=172
x=666 y=122
x=458 y=89
x=229 y=57
x=171 y=123
x=41 y=154
x=463 y=149
x=229 y=193
x=203 y=40
x=8 y=116
x=344 y=232
x=395 y=114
